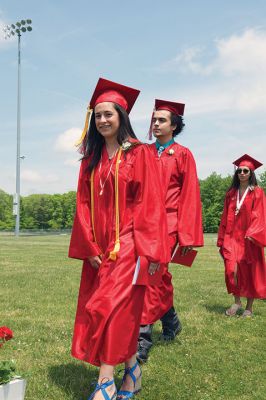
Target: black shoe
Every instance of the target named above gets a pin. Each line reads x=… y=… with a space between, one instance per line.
x=144 y=343
x=171 y=325
x=142 y=354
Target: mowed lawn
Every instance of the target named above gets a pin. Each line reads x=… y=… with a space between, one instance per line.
x=215 y=357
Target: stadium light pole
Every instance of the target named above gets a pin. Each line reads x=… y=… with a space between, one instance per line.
x=11 y=30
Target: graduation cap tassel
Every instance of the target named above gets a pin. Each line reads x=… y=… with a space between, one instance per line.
x=150 y=128
x=86 y=126
x=113 y=253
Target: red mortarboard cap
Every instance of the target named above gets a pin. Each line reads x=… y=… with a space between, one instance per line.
x=175 y=108
x=109 y=91
x=114 y=92
x=248 y=161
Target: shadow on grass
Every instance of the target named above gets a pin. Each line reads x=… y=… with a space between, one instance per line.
x=215 y=308
x=156 y=337
x=74 y=379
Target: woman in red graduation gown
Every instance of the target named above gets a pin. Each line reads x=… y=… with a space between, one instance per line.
x=242 y=236
x=119 y=216
x=180 y=188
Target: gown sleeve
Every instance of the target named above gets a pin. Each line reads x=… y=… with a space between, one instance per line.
x=222 y=226
x=82 y=244
x=189 y=224
x=257 y=227
x=149 y=215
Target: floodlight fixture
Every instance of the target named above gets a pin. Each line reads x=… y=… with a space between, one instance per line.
x=20 y=26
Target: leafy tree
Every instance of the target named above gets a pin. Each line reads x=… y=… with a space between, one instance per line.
x=213 y=190
x=262 y=180
x=69 y=207
x=7 y=221
x=43 y=211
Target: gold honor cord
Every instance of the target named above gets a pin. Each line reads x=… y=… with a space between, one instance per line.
x=92 y=206
x=113 y=253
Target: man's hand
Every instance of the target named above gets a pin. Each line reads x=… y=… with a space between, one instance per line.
x=185 y=250
x=95 y=261
x=153 y=267
x=249 y=238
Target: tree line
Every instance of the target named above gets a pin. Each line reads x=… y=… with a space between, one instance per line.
x=56 y=211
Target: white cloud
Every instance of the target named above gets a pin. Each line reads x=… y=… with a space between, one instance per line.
x=186 y=62
x=29 y=175
x=233 y=79
x=65 y=142
x=243 y=54
x=73 y=162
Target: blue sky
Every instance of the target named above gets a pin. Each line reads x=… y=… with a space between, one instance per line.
x=210 y=55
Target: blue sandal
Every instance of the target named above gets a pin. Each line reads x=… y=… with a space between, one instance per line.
x=102 y=386
x=124 y=394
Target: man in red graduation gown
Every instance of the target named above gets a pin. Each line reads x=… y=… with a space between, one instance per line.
x=180 y=186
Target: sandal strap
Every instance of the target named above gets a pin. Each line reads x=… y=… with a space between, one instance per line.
x=247 y=313
x=126 y=395
x=130 y=372
x=233 y=309
x=102 y=386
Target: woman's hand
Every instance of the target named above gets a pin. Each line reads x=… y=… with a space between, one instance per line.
x=153 y=267
x=95 y=261
x=185 y=250
x=250 y=238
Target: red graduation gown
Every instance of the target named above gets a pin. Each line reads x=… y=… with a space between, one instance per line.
x=240 y=254
x=180 y=187
x=109 y=306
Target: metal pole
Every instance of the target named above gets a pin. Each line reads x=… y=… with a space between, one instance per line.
x=18 y=146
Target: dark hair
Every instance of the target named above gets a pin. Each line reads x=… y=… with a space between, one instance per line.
x=236 y=182
x=178 y=121
x=94 y=141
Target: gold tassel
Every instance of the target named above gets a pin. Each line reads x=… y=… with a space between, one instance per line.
x=113 y=253
x=86 y=126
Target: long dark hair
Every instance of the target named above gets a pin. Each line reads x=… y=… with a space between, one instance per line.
x=94 y=141
x=178 y=121
x=236 y=182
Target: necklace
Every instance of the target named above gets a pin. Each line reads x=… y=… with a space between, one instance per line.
x=240 y=202
x=102 y=184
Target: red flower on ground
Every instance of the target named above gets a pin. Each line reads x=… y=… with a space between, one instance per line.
x=5 y=334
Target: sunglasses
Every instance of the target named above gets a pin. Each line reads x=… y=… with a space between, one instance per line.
x=244 y=170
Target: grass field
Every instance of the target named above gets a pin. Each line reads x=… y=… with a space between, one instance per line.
x=215 y=357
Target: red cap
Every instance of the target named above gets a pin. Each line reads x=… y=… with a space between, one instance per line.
x=114 y=92
x=175 y=108
x=247 y=161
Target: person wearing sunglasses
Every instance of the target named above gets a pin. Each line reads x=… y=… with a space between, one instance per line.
x=242 y=237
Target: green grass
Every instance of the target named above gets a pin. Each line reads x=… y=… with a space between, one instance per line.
x=214 y=357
